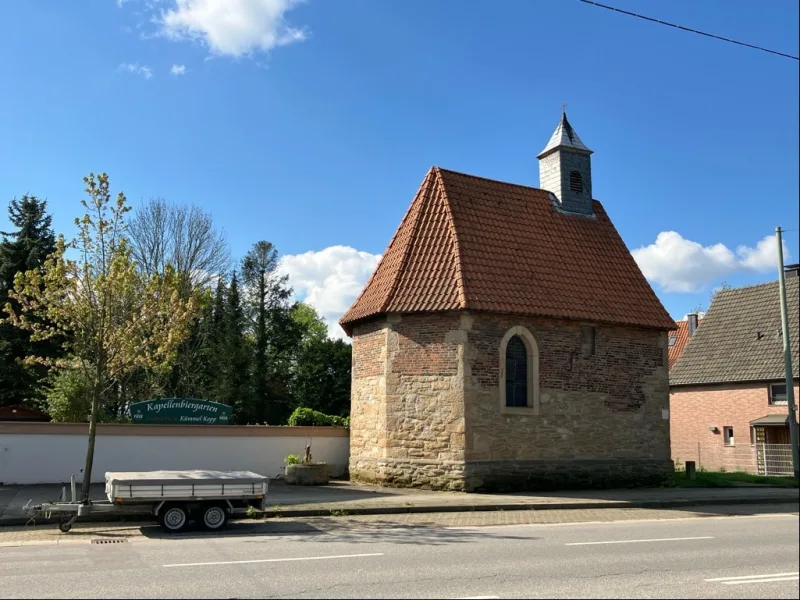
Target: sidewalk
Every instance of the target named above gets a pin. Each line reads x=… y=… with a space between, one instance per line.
x=345 y=498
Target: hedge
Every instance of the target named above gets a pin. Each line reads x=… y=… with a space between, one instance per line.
x=307 y=417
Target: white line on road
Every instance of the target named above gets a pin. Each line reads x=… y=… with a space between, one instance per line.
x=677 y=539
x=269 y=560
x=766 y=578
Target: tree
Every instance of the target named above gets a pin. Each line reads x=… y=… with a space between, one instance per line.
x=231 y=352
x=114 y=319
x=276 y=335
x=180 y=237
x=322 y=379
x=312 y=327
x=183 y=238
x=22 y=250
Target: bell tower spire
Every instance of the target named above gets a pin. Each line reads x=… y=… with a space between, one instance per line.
x=565 y=169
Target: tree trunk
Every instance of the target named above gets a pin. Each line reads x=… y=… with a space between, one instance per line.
x=87 y=470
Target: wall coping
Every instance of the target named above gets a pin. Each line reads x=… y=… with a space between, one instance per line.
x=103 y=429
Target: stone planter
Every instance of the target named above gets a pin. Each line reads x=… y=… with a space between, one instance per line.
x=307 y=474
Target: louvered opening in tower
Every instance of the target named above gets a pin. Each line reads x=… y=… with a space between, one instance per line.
x=575 y=182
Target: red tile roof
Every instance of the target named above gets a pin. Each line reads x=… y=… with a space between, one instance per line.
x=469 y=243
x=681 y=339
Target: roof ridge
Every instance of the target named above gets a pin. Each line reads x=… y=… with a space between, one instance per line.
x=461 y=284
x=748 y=287
x=386 y=251
x=425 y=191
x=517 y=185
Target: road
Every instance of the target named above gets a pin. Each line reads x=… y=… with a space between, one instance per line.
x=719 y=557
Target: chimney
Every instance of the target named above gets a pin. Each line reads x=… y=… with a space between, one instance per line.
x=790 y=271
x=692 y=318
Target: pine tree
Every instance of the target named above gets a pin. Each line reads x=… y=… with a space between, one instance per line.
x=231 y=353
x=20 y=251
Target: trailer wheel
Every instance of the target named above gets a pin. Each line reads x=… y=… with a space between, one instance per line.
x=65 y=524
x=173 y=518
x=215 y=517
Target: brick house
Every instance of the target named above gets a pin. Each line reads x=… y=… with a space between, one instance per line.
x=728 y=392
x=508 y=340
x=678 y=339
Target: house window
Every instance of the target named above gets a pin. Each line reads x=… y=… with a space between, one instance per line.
x=777 y=393
x=575 y=182
x=588 y=335
x=516 y=372
x=727 y=434
x=519 y=372
x=672 y=340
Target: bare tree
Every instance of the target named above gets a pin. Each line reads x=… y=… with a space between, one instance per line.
x=182 y=236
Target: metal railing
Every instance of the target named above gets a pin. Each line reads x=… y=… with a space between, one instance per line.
x=758 y=459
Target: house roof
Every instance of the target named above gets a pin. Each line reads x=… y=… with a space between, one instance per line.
x=771 y=420
x=468 y=243
x=564 y=137
x=681 y=339
x=740 y=338
x=18 y=412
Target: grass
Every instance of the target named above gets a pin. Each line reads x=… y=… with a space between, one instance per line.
x=730 y=479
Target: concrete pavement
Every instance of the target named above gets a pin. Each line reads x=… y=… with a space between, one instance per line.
x=732 y=557
x=354 y=499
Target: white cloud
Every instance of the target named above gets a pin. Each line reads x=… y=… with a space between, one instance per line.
x=231 y=27
x=135 y=68
x=178 y=70
x=680 y=265
x=329 y=280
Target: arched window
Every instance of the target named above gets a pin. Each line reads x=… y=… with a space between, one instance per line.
x=575 y=182
x=519 y=372
x=516 y=372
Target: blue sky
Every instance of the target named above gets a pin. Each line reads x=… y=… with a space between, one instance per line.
x=311 y=124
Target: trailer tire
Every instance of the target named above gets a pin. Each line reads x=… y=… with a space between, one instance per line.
x=215 y=517
x=173 y=518
x=64 y=524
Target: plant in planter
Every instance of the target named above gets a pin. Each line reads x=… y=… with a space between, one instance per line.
x=306 y=472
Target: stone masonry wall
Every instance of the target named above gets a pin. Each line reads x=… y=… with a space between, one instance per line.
x=368 y=395
x=422 y=400
x=610 y=407
x=426 y=410
x=693 y=409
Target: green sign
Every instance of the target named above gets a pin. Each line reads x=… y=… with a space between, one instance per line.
x=180 y=411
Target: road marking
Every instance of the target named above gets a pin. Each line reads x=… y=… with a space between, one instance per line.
x=766 y=578
x=677 y=539
x=269 y=560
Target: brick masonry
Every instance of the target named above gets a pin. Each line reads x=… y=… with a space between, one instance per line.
x=433 y=417
x=693 y=409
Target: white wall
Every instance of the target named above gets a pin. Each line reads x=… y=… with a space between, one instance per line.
x=51 y=458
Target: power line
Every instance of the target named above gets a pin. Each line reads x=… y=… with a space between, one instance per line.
x=711 y=35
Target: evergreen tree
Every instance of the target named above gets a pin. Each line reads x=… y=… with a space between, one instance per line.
x=276 y=334
x=20 y=251
x=322 y=379
x=231 y=353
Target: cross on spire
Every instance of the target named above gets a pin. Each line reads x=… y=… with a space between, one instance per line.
x=564 y=108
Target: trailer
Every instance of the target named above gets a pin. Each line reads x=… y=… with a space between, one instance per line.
x=175 y=498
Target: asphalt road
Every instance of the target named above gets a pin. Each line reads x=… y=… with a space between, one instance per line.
x=726 y=557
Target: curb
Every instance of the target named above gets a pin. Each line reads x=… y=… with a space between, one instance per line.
x=441 y=508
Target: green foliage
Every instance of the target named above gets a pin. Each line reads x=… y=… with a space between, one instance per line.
x=309 y=417
x=69 y=400
x=115 y=321
x=276 y=335
x=292 y=459
x=322 y=376
x=22 y=250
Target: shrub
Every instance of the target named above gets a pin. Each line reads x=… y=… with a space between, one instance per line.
x=309 y=417
x=292 y=459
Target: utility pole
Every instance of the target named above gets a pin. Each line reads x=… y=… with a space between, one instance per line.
x=787 y=358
